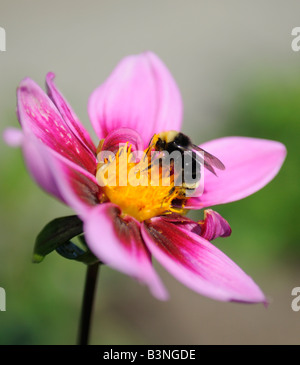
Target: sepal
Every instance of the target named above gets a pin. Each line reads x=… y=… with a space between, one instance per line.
x=77 y=251
x=56 y=233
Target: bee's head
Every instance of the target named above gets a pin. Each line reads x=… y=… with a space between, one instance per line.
x=160 y=145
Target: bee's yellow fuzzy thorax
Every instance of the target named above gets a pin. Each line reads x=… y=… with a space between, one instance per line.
x=166 y=136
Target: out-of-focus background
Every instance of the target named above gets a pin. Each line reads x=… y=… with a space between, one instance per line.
x=238 y=75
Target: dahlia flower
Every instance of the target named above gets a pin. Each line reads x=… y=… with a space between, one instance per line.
x=125 y=226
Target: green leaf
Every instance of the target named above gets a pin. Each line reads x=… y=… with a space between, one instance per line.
x=77 y=251
x=54 y=234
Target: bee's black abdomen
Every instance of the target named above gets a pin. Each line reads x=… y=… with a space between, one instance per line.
x=171 y=147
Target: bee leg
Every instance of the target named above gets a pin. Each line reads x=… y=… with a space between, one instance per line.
x=146 y=153
x=152 y=163
x=171 y=191
x=151 y=144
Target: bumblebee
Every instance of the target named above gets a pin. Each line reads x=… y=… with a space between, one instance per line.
x=190 y=168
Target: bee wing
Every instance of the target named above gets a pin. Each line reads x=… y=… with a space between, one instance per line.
x=210 y=161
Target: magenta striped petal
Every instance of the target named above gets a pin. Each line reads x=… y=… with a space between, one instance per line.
x=59 y=176
x=214 y=226
x=117 y=242
x=140 y=94
x=36 y=156
x=68 y=114
x=39 y=116
x=250 y=164
x=211 y=227
x=198 y=264
x=77 y=186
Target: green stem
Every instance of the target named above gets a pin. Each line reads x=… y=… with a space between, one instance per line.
x=87 y=303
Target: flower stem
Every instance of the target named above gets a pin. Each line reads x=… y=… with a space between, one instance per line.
x=87 y=303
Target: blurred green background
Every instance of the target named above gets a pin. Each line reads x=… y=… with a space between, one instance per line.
x=238 y=75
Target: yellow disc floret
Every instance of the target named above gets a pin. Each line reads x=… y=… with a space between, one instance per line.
x=140 y=187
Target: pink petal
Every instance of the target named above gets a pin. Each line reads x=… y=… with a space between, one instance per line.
x=39 y=116
x=183 y=222
x=118 y=243
x=59 y=176
x=140 y=94
x=13 y=137
x=68 y=114
x=36 y=156
x=250 y=163
x=177 y=219
x=212 y=227
x=77 y=186
x=198 y=264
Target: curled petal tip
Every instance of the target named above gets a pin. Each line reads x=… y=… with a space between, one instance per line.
x=50 y=76
x=214 y=225
x=25 y=84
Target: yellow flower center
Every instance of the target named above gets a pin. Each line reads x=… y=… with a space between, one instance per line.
x=142 y=188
